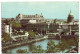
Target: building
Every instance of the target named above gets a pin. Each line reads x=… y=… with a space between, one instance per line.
x=20 y=37
x=49 y=20
x=6 y=28
x=70 y=17
x=9 y=19
x=37 y=17
x=3 y=28
x=32 y=21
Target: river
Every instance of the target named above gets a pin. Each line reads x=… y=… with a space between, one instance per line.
x=43 y=44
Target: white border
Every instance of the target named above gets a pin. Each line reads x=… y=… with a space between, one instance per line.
x=0 y=29
x=34 y=1
x=79 y=26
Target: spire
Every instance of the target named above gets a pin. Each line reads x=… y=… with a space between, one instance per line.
x=41 y=14
x=70 y=11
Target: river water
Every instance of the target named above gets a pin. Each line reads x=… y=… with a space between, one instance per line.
x=43 y=44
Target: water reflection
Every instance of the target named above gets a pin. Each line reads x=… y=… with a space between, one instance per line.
x=31 y=46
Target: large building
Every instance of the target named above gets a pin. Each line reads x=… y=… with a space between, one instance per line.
x=6 y=29
x=37 y=17
x=70 y=17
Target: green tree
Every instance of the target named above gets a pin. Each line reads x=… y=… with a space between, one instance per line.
x=16 y=24
x=22 y=51
x=6 y=37
x=65 y=44
x=31 y=34
x=77 y=42
x=72 y=42
x=50 y=47
x=38 y=49
x=5 y=21
x=62 y=46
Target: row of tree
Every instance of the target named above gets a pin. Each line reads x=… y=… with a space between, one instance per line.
x=6 y=37
x=52 y=48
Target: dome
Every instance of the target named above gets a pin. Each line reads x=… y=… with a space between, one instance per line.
x=70 y=13
x=70 y=17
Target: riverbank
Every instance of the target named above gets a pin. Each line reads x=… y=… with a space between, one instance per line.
x=27 y=42
x=30 y=47
x=24 y=42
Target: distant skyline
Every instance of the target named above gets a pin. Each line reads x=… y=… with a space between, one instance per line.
x=50 y=10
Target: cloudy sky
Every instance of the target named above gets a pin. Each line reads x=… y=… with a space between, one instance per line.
x=50 y=10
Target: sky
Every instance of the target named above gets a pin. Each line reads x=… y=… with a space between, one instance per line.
x=50 y=10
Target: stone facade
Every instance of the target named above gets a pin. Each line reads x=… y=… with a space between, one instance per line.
x=70 y=18
x=37 y=17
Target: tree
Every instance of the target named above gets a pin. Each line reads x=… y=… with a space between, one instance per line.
x=77 y=42
x=62 y=46
x=50 y=47
x=38 y=49
x=22 y=51
x=16 y=24
x=6 y=37
x=31 y=34
x=72 y=42
x=66 y=44
x=5 y=21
